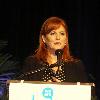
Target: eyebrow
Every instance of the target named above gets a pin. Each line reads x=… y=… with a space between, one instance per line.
x=62 y=31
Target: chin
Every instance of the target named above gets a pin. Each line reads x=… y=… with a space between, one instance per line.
x=55 y=48
x=58 y=48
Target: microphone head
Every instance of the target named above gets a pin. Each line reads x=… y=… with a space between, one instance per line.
x=59 y=52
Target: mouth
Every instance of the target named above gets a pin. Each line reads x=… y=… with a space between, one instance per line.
x=57 y=43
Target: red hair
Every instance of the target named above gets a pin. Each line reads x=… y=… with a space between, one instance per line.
x=50 y=24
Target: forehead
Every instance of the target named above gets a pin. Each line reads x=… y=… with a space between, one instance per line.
x=52 y=26
x=56 y=28
x=60 y=28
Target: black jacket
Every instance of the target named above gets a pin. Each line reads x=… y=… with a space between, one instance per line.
x=33 y=70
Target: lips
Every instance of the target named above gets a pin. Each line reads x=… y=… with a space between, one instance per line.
x=57 y=43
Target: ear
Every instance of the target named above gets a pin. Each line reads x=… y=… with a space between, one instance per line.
x=43 y=38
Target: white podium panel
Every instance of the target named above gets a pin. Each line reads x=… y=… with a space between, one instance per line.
x=43 y=91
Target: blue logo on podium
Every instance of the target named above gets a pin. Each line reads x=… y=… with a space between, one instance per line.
x=47 y=93
x=32 y=97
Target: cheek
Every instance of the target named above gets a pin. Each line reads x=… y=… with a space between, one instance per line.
x=64 y=40
x=50 y=39
x=49 y=42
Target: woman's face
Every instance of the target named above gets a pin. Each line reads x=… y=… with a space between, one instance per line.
x=56 y=39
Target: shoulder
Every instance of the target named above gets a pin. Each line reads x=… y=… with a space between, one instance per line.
x=78 y=62
x=30 y=58
x=30 y=63
x=75 y=63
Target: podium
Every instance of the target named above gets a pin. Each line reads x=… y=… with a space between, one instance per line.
x=36 y=90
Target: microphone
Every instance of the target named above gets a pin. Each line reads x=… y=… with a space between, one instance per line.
x=59 y=53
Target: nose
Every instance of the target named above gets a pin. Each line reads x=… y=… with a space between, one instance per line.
x=57 y=36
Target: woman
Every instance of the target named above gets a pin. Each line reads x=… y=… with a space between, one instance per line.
x=44 y=66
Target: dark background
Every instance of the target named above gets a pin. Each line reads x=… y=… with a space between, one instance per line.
x=20 y=24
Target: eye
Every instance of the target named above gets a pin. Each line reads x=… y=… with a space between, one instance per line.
x=62 y=33
x=52 y=33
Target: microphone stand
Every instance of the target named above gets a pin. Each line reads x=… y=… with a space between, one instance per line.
x=59 y=53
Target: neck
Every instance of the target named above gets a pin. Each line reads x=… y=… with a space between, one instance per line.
x=52 y=58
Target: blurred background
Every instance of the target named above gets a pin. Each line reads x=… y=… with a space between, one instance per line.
x=20 y=24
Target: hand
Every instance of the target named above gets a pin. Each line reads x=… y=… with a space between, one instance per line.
x=54 y=80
